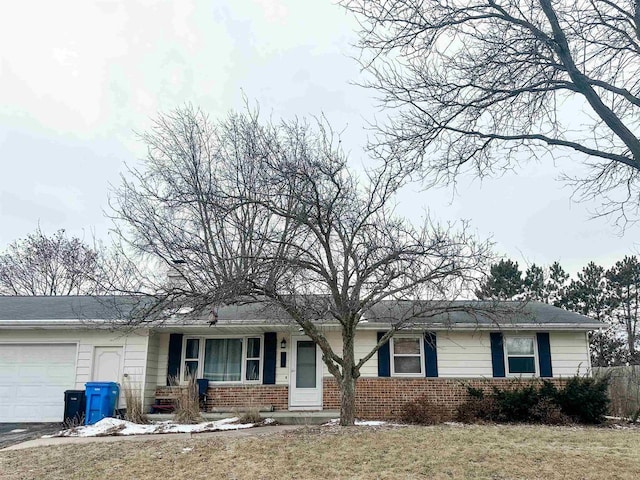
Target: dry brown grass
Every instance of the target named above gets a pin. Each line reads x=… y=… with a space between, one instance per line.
x=471 y=452
x=133 y=399
x=187 y=403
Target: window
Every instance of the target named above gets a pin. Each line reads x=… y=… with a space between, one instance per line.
x=234 y=359
x=252 y=372
x=407 y=356
x=521 y=357
x=223 y=359
x=191 y=357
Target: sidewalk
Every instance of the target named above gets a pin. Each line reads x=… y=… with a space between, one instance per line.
x=247 y=432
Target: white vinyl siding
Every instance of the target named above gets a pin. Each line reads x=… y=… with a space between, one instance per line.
x=163 y=358
x=569 y=353
x=464 y=354
x=364 y=343
x=151 y=374
x=460 y=354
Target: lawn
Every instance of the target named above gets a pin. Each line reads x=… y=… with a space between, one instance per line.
x=465 y=452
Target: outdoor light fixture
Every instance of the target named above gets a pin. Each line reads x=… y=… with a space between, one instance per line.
x=283 y=344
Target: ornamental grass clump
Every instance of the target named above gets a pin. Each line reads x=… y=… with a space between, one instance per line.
x=133 y=399
x=187 y=402
x=252 y=415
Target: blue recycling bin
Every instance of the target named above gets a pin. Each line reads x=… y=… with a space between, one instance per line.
x=101 y=398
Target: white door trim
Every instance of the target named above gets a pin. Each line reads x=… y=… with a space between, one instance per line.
x=307 y=399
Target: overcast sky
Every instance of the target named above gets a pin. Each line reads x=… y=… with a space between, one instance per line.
x=77 y=78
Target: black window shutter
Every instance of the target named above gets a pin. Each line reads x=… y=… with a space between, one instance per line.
x=270 y=354
x=384 y=365
x=544 y=354
x=430 y=354
x=175 y=356
x=497 y=354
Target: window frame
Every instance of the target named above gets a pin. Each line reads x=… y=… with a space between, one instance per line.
x=243 y=367
x=536 y=372
x=185 y=359
x=392 y=356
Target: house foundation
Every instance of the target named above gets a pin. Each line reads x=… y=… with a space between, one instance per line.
x=376 y=398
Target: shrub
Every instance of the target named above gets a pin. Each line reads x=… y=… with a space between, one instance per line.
x=548 y=412
x=585 y=399
x=477 y=408
x=515 y=405
x=421 y=411
x=475 y=392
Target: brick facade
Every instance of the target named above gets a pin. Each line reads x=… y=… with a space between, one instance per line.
x=276 y=396
x=376 y=398
x=383 y=398
x=237 y=396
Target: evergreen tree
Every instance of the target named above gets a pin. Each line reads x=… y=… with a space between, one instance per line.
x=556 y=284
x=589 y=294
x=503 y=283
x=607 y=349
x=534 y=283
x=624 y=280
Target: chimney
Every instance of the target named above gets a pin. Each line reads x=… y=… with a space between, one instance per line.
x=174 y=273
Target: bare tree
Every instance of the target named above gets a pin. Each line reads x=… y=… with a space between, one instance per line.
x=43 y=265
x=271 y=214
x=473 y=83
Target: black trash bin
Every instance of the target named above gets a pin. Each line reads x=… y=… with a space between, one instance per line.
x=75 y=402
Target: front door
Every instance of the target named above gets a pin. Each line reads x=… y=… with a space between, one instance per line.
x=305 y=379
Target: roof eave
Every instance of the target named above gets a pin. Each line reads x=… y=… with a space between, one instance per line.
x=66 y=323
x=489 y=327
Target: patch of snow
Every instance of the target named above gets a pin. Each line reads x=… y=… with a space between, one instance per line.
x=187 y=449
x=454 y=424
x=359 y=423
x=18 y=430
x=113 y=426
x=370 y=423
x=269 y=421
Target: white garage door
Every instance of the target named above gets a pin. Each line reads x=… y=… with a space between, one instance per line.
x=33 y=378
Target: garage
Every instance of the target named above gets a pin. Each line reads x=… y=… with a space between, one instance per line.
x=33 y=378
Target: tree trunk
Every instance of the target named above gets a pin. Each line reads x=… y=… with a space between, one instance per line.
x=348 y=380
x=347 y=401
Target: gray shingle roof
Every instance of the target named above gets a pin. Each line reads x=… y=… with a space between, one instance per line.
x=80 y=307
x=425 y=314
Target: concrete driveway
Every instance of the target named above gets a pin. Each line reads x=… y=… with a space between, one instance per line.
x=12 y=433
